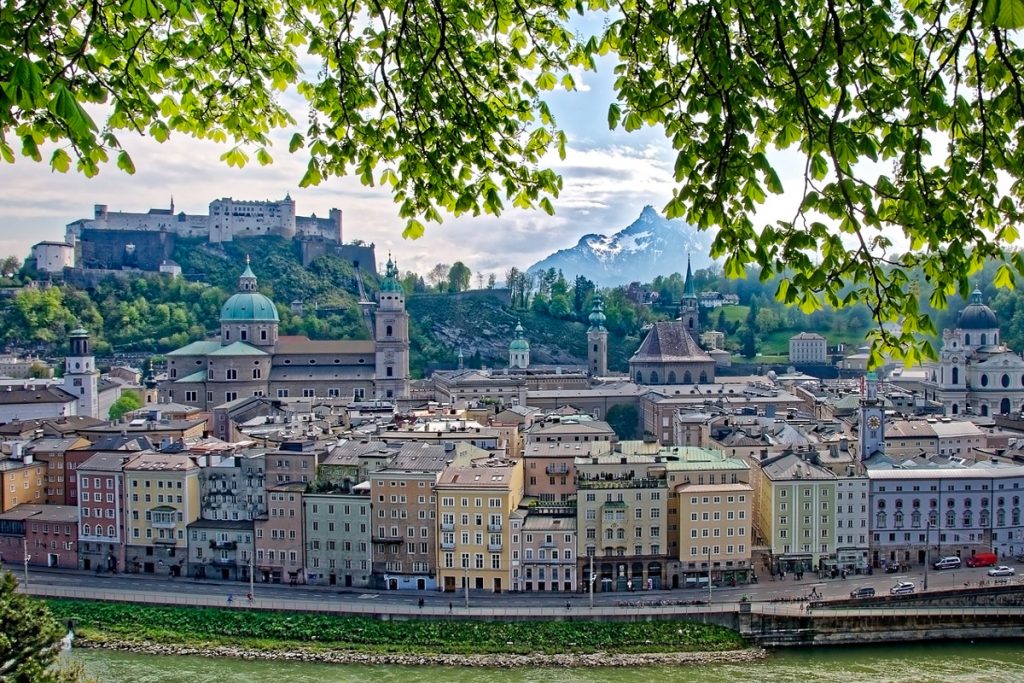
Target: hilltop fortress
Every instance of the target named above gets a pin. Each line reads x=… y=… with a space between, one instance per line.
x=116 y=240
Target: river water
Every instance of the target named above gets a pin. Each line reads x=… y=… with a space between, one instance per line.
x=982 y=662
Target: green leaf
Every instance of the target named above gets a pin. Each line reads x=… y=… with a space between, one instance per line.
x=1008 y=14
x=413 y=230
x=125 y=163
x=546 y=81
x=60 y=161
x=1004 y=277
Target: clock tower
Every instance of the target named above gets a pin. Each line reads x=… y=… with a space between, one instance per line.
x=872 y=419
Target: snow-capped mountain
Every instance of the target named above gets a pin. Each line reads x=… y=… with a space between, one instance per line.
x=651 y=246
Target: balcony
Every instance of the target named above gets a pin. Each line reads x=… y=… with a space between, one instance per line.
x=447 y=527
x=494 y=528
x=494 y=547
x=623 y=483
x=394 y=540
x=223 y=545
x=221 y=562
x=447 y=545
x=557 y=468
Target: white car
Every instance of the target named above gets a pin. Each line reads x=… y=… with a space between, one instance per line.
x=901 y=588
x=1001 y=570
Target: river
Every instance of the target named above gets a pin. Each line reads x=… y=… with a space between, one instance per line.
x=982 y=662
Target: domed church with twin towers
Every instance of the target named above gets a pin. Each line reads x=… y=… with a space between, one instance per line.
x=976 y=374
x=250 y=357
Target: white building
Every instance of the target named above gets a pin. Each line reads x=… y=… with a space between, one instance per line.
x=976 y=373
x=53 y=257
x=922 y=513
x=808 y=347
x=226 y=219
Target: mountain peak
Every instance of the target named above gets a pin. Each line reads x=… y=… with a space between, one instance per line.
x=650 y=246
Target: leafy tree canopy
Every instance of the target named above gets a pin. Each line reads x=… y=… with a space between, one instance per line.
x=125 y=403
x=906 y=115
x=29 y=639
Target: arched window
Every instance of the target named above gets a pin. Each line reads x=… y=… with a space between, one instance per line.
x=1004 y=406
x=984 y=410
x=1000 y=517
x=956 y=409
x=956 y=375
x=967 y=338
x=687 y=377
x=983 y=338
x=110 y=531
x=950 y=519
x=915 y=518
x=933 y=518
x=881 y=520
x=898 y=519
x=639 y=377
x=984 y=519
x=387 y=331
x=1015 y=517
x=671 y=376
x=950 y=503
x=85 y=529
x=703 y=377
x=968 y=518
x=654 y=377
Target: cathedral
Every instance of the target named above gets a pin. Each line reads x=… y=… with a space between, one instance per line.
x=976 y=374
x=250 y=357
x=669 y=354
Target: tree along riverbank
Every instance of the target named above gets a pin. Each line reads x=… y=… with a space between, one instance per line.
x=347 y=639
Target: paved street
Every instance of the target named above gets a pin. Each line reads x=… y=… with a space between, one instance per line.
x=766 y=590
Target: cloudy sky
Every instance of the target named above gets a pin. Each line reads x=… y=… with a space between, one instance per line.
x=608 y=178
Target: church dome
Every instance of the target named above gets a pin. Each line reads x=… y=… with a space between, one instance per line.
x=977 y=316
x=597 y=317
x=248 y=305
x=390 y=282
x=519 y=343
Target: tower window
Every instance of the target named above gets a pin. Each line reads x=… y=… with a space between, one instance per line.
x=245 y=335
x=390 y=371
x=263 y=335
x=387 y=331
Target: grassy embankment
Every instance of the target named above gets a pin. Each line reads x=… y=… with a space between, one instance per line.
x=104 y=621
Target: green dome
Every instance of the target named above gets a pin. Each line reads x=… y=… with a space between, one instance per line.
x=519 y=343
x=249 y=307
x=597 y=317
x=390 y=282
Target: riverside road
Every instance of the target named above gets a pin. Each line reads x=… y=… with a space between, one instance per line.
x=768 y=589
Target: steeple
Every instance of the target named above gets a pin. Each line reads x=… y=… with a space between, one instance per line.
x=597 y=316
x=689 y=291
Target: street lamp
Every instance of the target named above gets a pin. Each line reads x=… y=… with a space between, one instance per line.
x=927 y=544
x=27 y=558
x=709 y=575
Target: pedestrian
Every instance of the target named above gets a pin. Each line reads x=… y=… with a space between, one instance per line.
x=567 y=606
x=248 y=596
x=449 y=607
x=421 y=603
x=231 y=599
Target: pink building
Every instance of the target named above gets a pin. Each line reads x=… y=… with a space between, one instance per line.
x=48 y=533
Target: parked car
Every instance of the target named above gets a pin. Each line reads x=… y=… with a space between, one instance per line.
x=902 y=587
x=863 y=592
x=1001 y=570
x=982 y=560
x=948 y=563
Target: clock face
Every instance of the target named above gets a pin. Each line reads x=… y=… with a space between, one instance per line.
x=874 y=422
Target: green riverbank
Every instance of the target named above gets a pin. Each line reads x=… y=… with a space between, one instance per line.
x=324 y=637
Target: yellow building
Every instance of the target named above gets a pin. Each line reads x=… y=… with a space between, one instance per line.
x=163 y=499
x=21 y=481
x=476 y=502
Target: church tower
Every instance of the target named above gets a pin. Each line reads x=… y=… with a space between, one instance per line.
x=519 y=350
x=80 y=375
x=872 y=419
x=597 y=340
x=689 y=309
x=391 y=338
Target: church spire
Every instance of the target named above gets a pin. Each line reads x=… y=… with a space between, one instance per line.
x=689 y=290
